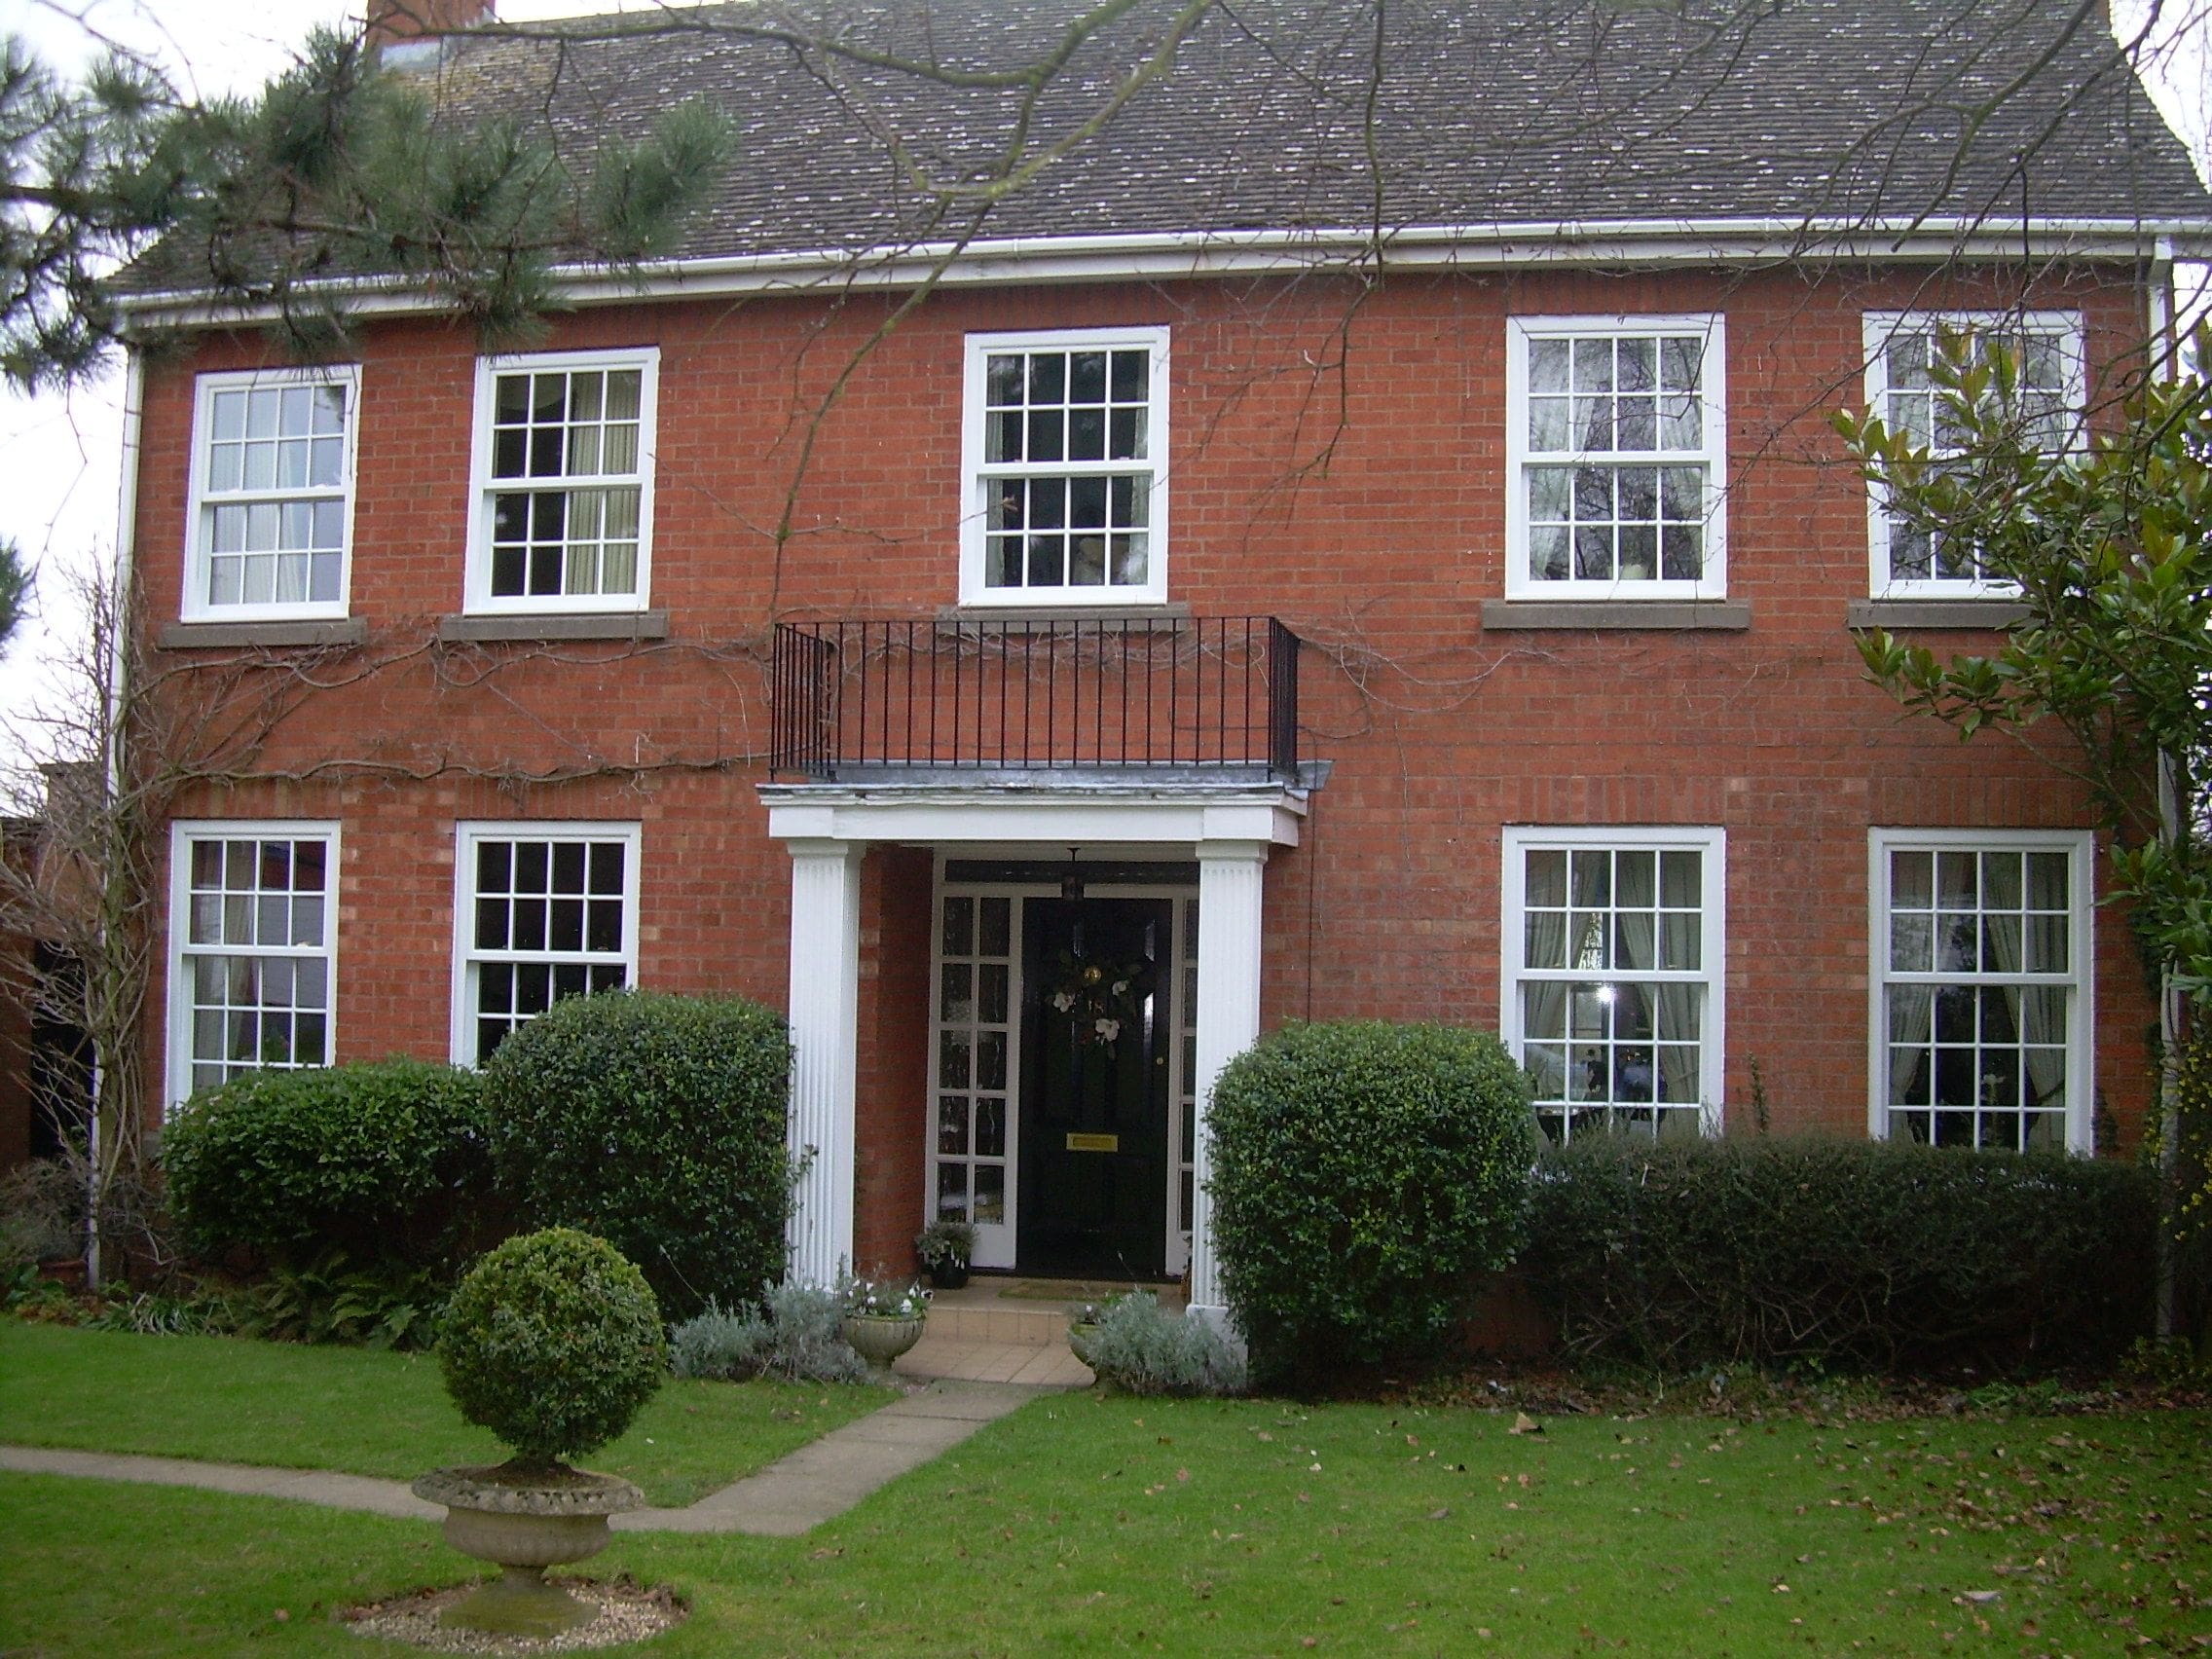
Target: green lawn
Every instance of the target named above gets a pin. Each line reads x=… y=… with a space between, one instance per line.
x=1087 y=1525
x=231 y=1400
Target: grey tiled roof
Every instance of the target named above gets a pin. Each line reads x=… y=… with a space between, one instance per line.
x=1305 y=115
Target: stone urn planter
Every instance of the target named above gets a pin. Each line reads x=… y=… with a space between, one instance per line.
x=552 y=1342
x=1080 y=1335
x=525 y=1521
x=878 y=1339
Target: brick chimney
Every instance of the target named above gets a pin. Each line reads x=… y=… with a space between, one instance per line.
x=390 y=20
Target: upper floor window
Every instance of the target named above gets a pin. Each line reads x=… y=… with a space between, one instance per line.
x=542 y=911
x=1613 y=976
x=1065 y=446
x=564 y=482
x=272 y=509
x=253 y=927
x=1902 y=350
x=1981 y=987
x=1616 y=445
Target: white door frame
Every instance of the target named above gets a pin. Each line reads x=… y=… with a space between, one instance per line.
x=996 y=1243
x=1229 y=830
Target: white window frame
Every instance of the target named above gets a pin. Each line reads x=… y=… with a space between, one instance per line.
x=183 y=832
x=478 y=599
x=1883 y=327
x=2080 y=977
x=1710 y=842
x=466 y=960
x=1712 y=453
x=976 y=474
x=196 y=605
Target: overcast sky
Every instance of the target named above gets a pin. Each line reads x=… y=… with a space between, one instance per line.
x=61 y=457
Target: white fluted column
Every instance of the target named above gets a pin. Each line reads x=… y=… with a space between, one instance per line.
x=1230 y=882
x=825 y=1002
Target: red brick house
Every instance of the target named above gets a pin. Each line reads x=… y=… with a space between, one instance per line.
x=1328 y=545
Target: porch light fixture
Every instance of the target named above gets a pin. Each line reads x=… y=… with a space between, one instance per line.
x=1071 y=884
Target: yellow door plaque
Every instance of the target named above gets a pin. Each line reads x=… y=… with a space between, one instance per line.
x=1094 y=1143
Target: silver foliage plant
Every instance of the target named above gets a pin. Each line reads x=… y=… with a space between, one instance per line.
x=800 y=1338
x=1141 y=1349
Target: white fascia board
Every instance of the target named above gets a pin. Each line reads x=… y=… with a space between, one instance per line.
x=1208 y=253
x=957 y=816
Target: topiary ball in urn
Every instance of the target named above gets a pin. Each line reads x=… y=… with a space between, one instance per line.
x=552 y=1343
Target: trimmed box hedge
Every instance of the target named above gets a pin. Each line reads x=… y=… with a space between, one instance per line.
x=1844 y=1254
x=1363 y=1173
x=656 y=1122
x=384 y=1161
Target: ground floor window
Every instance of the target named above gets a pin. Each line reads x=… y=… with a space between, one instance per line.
x=1612 y=985
x=251 y=925
x=1981 y=991
x=542 y=912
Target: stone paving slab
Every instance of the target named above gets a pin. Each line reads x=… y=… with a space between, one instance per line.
x=823 y=1479
x=817 y=1483
x=307 y=1485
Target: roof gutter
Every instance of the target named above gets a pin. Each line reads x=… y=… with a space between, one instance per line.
x=1168 y=255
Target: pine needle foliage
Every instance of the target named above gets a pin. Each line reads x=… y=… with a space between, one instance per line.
x=340 y=168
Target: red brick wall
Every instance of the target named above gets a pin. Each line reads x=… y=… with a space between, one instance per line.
x=894 y=1058
x=1337 y=459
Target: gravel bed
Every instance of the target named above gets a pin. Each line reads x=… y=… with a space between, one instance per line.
x=627 y=1612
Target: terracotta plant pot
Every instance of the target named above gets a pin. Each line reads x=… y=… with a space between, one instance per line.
x=524 y=1523
x=880 y=1341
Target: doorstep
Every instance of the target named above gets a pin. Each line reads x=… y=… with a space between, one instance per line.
x=1034 y=1365
x=1025 y=1312
x=1007 y=1328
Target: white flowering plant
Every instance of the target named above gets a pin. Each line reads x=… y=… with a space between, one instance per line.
x=879 y=1299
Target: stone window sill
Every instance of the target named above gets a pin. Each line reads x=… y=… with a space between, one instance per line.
x=1657 y=616
x=235 y=636
x=487 y=630
x=1164 y=614
x=1895 y=613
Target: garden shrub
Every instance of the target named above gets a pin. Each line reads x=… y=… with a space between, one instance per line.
x=382 y=1163
x=1363 y=1173
x=1141 y=1349
x=800 y=1338
x=330 y=1299
x=656 y=1122
x=42 y=1210
x=1841 y=1254
x=552 y=1342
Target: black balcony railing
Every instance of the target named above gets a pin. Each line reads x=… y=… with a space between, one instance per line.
x=985 y=694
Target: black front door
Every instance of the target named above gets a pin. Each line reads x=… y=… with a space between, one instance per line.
x=1095 y=1087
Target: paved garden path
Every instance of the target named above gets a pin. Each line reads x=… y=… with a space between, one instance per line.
x=817 y=1483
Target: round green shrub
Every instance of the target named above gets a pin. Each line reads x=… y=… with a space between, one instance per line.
x=384 y=1161
x=1364 y=1174
x=656 y=1122
x=552 y=1342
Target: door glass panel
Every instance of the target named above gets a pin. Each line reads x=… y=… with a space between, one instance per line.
x=990 y=1195
x=973 y=1049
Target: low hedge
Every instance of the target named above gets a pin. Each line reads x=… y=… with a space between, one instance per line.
x=386 y=1161
x=1363 y=1173
x=656 y=1123
x=1845 y=1254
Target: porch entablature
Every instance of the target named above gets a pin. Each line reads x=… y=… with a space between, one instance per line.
x=1049 y=810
